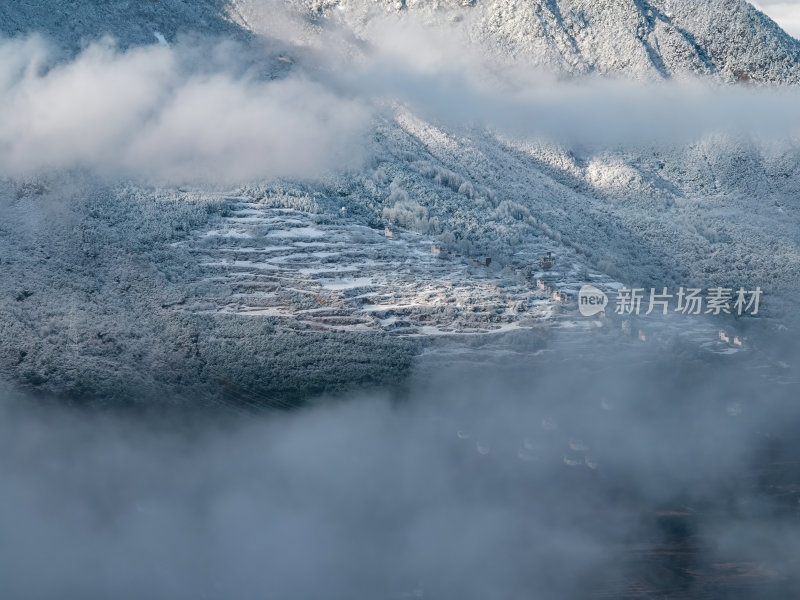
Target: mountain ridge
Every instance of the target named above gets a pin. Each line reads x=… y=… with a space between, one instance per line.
x=291 y=287
x=729 y=40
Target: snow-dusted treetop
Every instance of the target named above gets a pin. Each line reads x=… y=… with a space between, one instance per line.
x=728 y=39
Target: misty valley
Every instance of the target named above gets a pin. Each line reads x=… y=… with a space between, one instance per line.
x=390 y=300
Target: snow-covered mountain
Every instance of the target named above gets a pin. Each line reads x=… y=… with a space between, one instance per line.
x=271 y=289
x=727 y=39
x=259 y=203
x=74 y=24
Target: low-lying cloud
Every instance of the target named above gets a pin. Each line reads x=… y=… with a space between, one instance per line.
x=167 y=113
x=198 y=112
x=562 y=477
x=457 y=84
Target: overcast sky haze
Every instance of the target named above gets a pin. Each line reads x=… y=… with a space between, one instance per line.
x=785 y=12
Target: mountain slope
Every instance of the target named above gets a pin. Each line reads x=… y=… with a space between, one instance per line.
x=727 y=39
x=73 y=23
x=283 y=288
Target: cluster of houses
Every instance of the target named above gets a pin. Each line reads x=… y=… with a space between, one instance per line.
x=564 y=296
x=546 y=263
x=627 y=327
x=733 y=340
x=436 y=249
